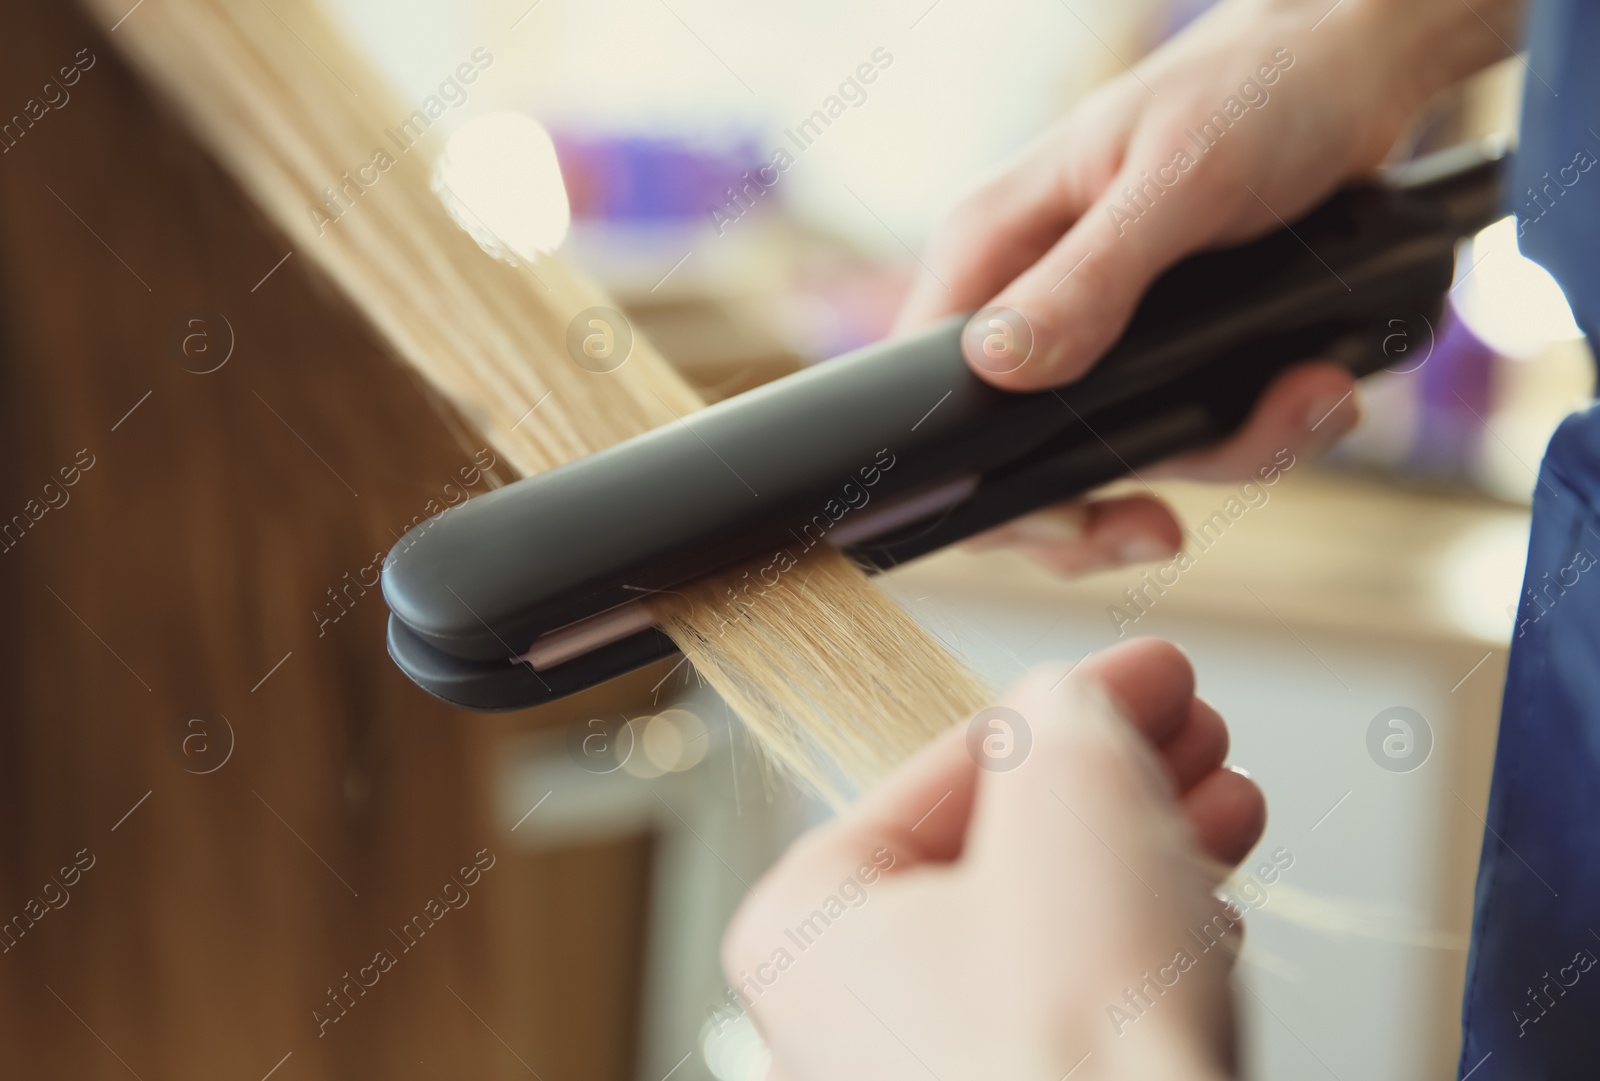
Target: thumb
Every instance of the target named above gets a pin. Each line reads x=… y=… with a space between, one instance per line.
x=1073 y=303
x=1085 y=800
x=918 y=814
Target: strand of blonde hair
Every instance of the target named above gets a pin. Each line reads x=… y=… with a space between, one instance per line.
x=834 y=680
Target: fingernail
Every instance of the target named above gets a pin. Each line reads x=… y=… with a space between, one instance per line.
x=1144 y=550
x=1063 y=527
x=1240 y=770
x=998 y=340
x=1321 y=415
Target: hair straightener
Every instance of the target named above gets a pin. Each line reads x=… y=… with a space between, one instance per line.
x=533 y=592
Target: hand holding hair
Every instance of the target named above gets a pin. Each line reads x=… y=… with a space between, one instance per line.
x=1000 y=915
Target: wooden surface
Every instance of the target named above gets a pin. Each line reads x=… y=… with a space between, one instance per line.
x=182 y=579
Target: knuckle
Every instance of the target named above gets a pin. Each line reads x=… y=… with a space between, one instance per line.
x=966 y=226
x=1093 y=274
x=1077 y=313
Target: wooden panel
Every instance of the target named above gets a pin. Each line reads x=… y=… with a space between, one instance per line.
x=190 y=573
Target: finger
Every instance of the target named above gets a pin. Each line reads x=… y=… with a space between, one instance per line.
x=1225 y=809
x=1199 y=747
x=922 y=811
x=922 y=808
x=1088 y=769
x=1153 y=683
x=1150 y=681
x=919 y=813
x=1077 y=299
x=1080 y=538
x=1304 y=412
x=1003 y=227
x=1227 y=813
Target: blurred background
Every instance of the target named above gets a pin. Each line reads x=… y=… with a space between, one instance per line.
x=666 y=146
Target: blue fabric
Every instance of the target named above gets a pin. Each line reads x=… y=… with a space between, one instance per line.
x=1532 y=1006
x=1555 y=191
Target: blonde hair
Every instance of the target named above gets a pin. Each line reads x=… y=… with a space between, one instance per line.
x=827 y=672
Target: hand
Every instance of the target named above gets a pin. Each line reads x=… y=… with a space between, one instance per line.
x=984 y=922
x=1300 y=96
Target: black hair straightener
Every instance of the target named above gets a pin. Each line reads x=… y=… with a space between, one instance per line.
x=532 y=592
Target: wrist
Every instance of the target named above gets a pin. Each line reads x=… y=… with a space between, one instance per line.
x=1384 y=59
x=1424 y=46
